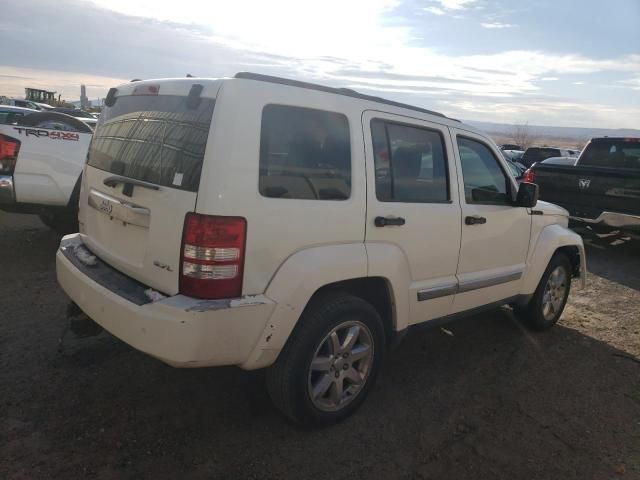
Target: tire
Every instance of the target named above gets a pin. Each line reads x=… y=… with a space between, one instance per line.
x=61 y=223
x=542 y=312
x=291 y=380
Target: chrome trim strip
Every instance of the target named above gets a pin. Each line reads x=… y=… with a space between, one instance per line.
x=488 y=282
x=452 y=289
x=6 y=189
x=437 y=292
x=613 y=219
x=114 y=208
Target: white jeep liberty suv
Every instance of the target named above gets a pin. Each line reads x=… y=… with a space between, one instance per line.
x=262 y=222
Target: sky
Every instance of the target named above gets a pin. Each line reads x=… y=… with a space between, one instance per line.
x=542 y=62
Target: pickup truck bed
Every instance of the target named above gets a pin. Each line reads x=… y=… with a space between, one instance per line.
x=603 y=189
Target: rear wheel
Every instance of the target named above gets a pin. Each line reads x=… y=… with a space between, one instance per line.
x=550 y=298
x=330 y=363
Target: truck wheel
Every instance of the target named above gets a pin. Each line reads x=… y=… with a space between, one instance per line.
x=330 y=362
x=62 y=223
x=550 y=298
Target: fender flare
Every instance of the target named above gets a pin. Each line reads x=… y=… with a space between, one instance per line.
x=293 y=285
x=549 y=241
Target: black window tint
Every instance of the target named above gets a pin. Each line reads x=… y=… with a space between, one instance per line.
x=538 y=154
x=410 y=164
x=614 y=153
x=157 y=139
x=304 y=154
x=484 y=180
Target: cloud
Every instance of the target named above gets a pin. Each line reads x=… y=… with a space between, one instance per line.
x=13 y=80
x=455 y=4
x=286 y=38
x=434 y=10
x=548 y=112
x=497 y=25
x=442 y=7
x=633 y=83
x=549 y=79
x=578 y=83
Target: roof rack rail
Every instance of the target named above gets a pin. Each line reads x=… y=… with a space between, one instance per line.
x=338 y=91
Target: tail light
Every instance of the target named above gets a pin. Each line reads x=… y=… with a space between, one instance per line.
x=213 y=250
x=9 y=148
x=529 y=176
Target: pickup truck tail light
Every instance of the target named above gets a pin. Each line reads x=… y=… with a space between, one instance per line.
x=9 y=149
x=529 y=176
x=212 y=257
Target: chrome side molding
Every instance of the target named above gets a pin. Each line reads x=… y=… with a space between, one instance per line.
x=468 y=286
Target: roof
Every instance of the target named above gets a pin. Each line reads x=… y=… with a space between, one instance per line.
x=338 y=91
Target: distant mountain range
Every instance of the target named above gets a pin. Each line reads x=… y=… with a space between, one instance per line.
x=558 y=132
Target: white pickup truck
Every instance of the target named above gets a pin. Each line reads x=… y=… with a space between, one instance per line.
x=40 y=168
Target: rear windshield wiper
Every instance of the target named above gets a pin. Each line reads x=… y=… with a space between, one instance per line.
x=129 y=183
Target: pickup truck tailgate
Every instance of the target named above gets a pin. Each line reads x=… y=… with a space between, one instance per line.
x=588 y=191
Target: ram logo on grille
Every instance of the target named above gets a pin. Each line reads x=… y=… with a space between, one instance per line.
x=584 y=183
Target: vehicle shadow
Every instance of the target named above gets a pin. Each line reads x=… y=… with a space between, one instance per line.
x=615 y=257
x=491 y=400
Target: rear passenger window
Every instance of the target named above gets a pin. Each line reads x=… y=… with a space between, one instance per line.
x=304 y=154
x=410 y=163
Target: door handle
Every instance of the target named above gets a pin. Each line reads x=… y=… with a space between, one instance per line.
x=388 y=221
x=475 y=220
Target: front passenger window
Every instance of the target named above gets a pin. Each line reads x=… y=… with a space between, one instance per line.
x=484 y=179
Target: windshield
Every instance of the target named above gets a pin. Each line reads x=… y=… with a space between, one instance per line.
x=157 y=139
x=536 y=154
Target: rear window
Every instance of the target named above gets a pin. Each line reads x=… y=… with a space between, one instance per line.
x=621 y=153
x=156 y=139
x=535 y=154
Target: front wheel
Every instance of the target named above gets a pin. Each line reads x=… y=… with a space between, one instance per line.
x=550 y=298
x=330 y=362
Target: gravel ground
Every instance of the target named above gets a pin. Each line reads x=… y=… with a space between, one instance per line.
x=491 y=401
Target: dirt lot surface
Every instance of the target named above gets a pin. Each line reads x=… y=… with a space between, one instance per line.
x=491 y=401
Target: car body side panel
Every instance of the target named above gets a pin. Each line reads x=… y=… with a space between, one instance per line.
x=295 y=282
x=545 y=242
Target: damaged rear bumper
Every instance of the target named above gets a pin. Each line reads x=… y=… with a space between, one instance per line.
x=179 y=330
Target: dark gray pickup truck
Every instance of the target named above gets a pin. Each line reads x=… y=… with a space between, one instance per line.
x=601 y=190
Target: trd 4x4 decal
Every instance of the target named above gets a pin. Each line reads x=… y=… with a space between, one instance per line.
x=53 y=134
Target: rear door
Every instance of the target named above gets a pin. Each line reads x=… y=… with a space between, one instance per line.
x=412 y=202
x=143 y=175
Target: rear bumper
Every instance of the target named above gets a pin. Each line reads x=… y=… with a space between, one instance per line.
x=7 y=190
x=180 y=331
x=614 y=220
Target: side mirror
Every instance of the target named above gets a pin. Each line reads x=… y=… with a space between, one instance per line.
x=527 y=195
